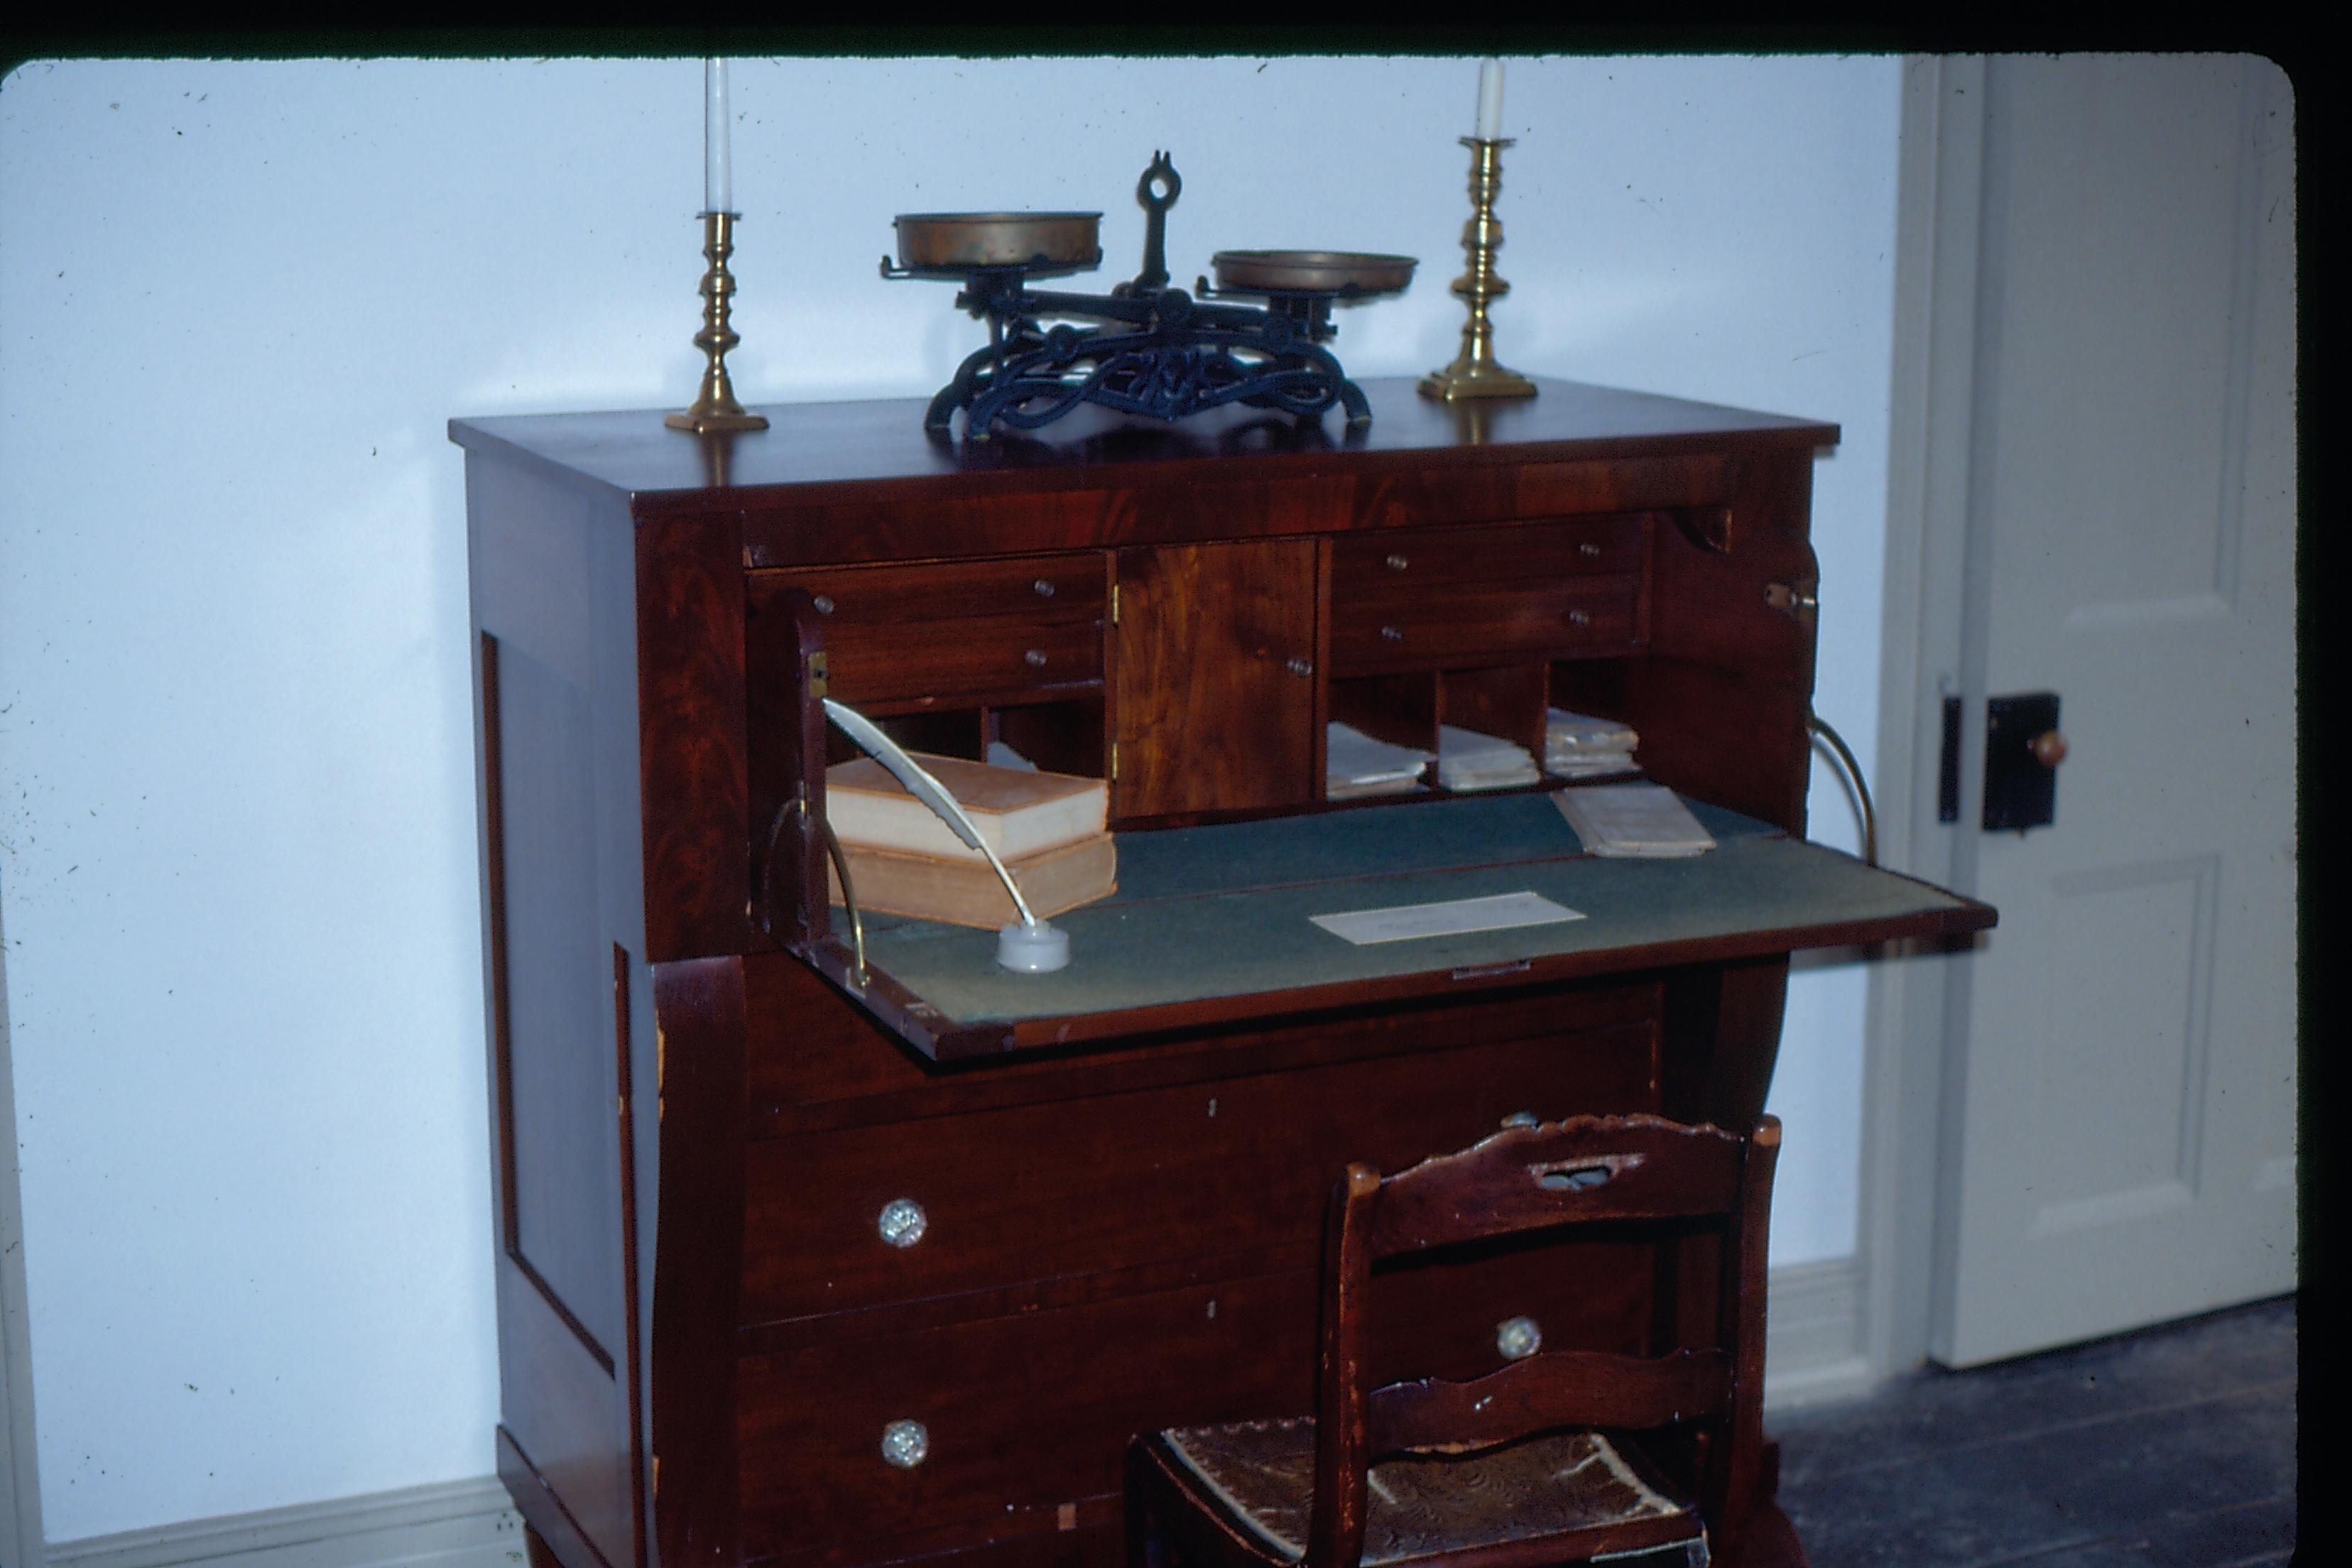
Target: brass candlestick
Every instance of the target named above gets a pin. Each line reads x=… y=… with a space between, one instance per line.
x=715 y=408
x=1475 y=372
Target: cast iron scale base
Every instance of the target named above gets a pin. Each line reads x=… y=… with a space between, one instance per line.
x=1161 y=351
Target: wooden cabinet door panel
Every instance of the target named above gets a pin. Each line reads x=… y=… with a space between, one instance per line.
x=1215 y=689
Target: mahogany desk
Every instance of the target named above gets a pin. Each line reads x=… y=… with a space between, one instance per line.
x=724 y=1336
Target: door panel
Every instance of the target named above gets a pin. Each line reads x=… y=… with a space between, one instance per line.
x=1215 y=689
x=2126 y=1121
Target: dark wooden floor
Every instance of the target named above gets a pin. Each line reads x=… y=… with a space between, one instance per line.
x=2170 y=1448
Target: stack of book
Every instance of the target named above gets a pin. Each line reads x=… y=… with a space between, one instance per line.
x=1355 y=766
x=1580 y=746
x=1050 y=830
x=1639 y=821
x=1467 y=760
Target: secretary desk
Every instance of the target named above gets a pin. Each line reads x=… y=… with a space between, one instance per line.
x=823 y=1241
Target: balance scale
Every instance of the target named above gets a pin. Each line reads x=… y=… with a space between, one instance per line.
x=1158 y=352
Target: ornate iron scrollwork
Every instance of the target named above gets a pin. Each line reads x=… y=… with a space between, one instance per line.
x=1160 y=353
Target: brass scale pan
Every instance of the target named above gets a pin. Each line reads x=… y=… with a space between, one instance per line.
x=1069 y=242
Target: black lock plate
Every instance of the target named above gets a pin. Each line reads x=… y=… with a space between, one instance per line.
x=2019 y=792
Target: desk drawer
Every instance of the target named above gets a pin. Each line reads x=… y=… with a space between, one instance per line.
x=976 y=627
x=1023 y=1414
x=1414 y=598
x=1403 y=565
x=1083 y=1186
x=1478 y=623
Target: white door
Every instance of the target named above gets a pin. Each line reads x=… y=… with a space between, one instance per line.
x=2126 y=1039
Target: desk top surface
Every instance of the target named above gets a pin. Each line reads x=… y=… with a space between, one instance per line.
x=883 y=441
x=1224 y=911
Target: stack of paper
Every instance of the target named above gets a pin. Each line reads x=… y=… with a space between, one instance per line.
x=1633 y=820
x=1580 y=746
x=1467 y=760
x=1355 y=765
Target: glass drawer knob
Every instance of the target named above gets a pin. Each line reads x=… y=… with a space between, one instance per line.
x=1037 y=657
x=824 y=603
x=1390 y=634
x=1298 y=666
x=1579 y=618
x=1522 y=1119
x=903 y=1222
x=1517 y=1338
x=1589 y=550
x=1045 y=589
x=905 y=1444
x=1397 y=563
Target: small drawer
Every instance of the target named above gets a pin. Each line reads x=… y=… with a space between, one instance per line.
x=968 y=628
x=990 y=656
x=1481 y=622
x=867 y=1216
x=1024 y=587
x=1377 y=571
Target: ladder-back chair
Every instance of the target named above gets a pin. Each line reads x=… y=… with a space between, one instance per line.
x=1530 y=1464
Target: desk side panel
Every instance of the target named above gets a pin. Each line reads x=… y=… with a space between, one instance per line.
x=568 y=1014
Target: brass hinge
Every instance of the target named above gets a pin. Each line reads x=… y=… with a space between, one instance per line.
x=1114 y=762
x=1114 y=604
x=817 y=681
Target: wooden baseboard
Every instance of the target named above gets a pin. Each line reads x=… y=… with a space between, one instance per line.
x=1813 y=1344
x=457 y=1524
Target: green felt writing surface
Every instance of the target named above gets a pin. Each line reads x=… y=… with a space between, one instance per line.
x=1225 y=911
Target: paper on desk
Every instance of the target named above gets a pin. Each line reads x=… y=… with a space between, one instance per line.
x=1637 y=820
x=1455 y=917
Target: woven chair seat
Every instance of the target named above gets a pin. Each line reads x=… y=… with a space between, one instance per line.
x=1420 y=1506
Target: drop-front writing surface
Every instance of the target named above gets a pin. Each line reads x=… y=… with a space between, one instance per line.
x=776 y=1284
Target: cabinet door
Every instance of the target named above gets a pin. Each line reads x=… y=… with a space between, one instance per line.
x=1216 y=678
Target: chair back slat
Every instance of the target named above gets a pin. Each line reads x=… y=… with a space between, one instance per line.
x=1432 y=1416
x=1583 y=1169
x=1636 y=1167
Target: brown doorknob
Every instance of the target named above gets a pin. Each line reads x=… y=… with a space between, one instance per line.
x=2049 y=747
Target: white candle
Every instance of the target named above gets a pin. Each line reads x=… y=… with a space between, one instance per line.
x=718 y=192
x=1490 y=100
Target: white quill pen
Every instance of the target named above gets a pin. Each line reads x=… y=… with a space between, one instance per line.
x=1033 y=947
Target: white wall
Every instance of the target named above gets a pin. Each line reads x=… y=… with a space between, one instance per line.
x=237 y=303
